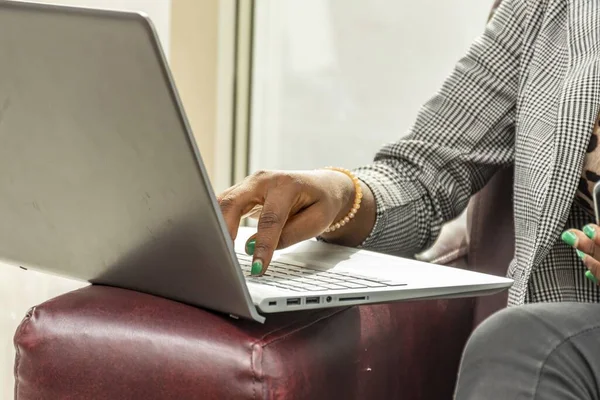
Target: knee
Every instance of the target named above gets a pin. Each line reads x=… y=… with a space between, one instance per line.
x=494 y=350
x=505 y=330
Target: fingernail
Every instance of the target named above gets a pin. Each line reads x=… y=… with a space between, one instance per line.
x=580 y=253
x=589 y=231
x=569 y=238
x=257 y=267
x=591 y=277
x=250 y=247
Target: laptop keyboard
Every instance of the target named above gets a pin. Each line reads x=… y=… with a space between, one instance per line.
x=297 y=278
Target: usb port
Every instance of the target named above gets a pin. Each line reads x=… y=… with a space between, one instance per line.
x=313 y=300
x=293 y=302
x=273 y=303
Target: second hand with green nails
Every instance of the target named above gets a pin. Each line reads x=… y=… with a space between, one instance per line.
x=586 y=250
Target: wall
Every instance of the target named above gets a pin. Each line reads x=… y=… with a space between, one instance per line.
x=194 y=53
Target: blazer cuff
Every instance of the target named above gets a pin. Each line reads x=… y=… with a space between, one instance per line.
x=377 y=183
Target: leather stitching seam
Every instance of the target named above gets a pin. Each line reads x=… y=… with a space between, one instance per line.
x=252 y=347
x=25 y=321
x=262 y=343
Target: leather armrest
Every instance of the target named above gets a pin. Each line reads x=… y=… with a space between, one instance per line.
x=107 y=343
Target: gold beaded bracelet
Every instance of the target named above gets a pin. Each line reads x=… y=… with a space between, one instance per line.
x=357 y=199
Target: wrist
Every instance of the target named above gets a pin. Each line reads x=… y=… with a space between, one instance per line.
x=353 y=233
x=344 y=217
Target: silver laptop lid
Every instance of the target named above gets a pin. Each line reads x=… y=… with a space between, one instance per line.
x=100 y=178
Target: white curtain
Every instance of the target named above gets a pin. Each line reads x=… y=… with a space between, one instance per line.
x=333 y=80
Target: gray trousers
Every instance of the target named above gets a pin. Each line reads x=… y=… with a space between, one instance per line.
x=541 y=351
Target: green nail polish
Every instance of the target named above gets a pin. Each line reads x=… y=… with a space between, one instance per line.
x=580 y=253
x=250 y=247
x=591 y=277
x=569 y=238
x=256 y=267
x=589 y=231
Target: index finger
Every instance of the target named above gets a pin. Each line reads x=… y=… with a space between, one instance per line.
x=275 y=212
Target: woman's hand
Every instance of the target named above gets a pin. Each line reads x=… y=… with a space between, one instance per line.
x=587 y=244
x=295 y=206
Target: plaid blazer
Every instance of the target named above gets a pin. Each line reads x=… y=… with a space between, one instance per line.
x=526 y=94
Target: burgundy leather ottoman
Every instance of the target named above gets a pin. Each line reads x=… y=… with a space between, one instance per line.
x=107 y=343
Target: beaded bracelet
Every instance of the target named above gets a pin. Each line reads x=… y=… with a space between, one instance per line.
x=357 y=199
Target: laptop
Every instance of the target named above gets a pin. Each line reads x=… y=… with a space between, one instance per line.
x=101 y=180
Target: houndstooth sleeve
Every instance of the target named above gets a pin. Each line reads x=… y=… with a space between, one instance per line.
x=461 y=137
